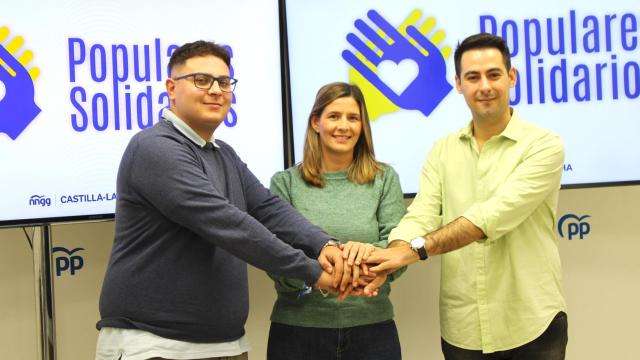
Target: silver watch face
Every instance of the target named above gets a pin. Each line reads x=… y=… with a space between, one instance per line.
x=417 y=243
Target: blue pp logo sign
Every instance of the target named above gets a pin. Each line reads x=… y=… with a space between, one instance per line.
x=398 y=68
x=67 y=261
x=574 y=226
x=17 y=106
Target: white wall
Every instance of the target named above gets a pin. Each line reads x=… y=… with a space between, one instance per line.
x=601 y=274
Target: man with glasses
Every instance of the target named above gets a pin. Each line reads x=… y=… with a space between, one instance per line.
x=189 y=215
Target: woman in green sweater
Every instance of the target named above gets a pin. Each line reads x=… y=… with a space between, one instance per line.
x=342 y=188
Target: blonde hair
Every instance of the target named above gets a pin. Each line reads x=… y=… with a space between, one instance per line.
x=364 y=167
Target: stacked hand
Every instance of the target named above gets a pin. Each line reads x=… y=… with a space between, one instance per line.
x=386 y=261
x=346 y=272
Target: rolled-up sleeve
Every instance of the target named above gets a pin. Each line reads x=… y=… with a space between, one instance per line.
x=523 y=191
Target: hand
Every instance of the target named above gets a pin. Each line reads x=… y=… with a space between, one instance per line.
x=355 y=255
x=430 y=85
x=331 y=261
x=359 y=288
x=17 y=106
x=392 y=258
x=371 y=289
x=325 y=282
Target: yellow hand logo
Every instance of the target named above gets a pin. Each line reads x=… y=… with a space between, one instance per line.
x=14 y=45
x=17 y=93
x=377 y=103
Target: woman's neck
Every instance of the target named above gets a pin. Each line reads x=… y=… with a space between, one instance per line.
x=336 y=163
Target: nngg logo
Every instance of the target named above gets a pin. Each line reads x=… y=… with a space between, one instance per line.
x=39 y=200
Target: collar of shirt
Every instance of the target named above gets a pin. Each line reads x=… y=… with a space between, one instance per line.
x=513 y=130
x=185 y=129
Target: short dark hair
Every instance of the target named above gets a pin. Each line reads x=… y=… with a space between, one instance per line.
x=482 y=41
x=198 y=48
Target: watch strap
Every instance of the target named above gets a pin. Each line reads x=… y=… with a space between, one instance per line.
x=421 y=250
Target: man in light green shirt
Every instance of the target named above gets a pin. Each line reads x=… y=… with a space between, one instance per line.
x=487 y=203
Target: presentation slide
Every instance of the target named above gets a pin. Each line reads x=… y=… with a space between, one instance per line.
x=578 y=69
x=79 y=78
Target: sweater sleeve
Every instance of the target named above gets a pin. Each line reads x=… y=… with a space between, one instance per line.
x=391 y=206
x=280 y=217
x=169 y=177
x=281 y=186
x=390 y=210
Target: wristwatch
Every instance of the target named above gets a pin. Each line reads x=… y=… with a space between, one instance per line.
x=332 y=242
x=418 y=245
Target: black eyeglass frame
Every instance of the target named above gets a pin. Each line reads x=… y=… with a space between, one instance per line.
x=214 y=79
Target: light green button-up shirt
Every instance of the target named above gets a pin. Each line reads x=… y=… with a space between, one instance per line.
x=501 y=292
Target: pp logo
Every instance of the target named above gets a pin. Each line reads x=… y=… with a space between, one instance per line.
x=17 y=105
x=67 y=261
x=399 y=67
x=575 y=226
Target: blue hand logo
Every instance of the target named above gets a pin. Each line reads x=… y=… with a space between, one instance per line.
x=17 y=105
x=403 y=64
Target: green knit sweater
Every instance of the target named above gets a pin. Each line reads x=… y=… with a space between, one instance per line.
x=347 y=211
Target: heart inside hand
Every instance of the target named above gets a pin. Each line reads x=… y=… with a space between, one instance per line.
x=398 y=76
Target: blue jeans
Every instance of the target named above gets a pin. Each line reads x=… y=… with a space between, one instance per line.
x=371 y=342
x=550 y=345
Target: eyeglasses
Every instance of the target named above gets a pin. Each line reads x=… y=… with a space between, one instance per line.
x=205 y=81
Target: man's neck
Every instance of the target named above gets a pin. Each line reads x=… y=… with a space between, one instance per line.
x=484 y=128
x=203 y=132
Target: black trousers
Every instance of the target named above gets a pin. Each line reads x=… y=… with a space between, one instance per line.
x=550 y=345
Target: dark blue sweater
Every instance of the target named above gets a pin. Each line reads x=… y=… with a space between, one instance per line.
x=188 y=219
